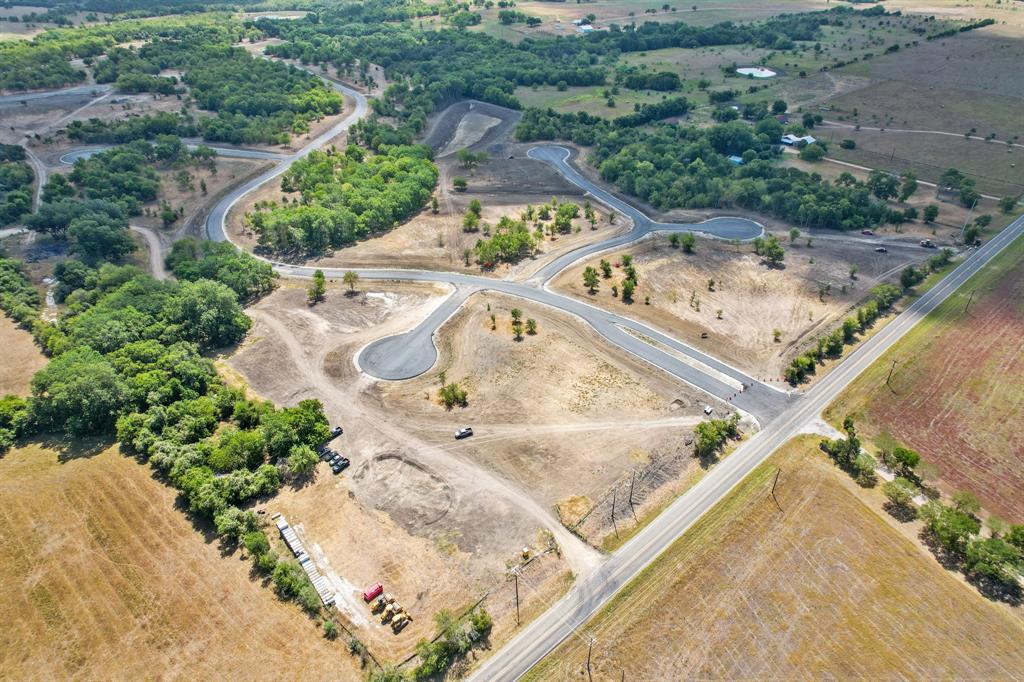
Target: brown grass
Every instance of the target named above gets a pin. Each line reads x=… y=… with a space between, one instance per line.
x=826 y=589
x=104 y=578
x=754 y=299
x=21 y=358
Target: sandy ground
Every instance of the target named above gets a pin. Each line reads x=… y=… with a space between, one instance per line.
x=90 y=593
x=827 y=588
x=21 y=358
x=754 y=300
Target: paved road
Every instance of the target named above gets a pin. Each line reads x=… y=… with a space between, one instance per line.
x=215 y=221
x=558 y=157
x=412 y=353
x=588 y=596
x=234 y=152
x=783 y=414
x=75 y=91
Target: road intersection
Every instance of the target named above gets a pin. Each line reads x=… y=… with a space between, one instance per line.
x=781 y=414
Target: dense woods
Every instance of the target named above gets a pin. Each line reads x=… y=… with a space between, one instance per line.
x=345 y=196
x=674 y=166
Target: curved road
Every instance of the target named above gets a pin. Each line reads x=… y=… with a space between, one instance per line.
x=412 y=353
x=782 y=414
x=69 y=158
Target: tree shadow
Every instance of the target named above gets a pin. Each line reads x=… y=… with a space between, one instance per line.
x=901 y=513
x=68 y=448
x=996 y=590
x=303 y=481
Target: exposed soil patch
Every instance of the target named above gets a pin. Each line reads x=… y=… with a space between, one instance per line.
x=556 y=401
x=435 y=528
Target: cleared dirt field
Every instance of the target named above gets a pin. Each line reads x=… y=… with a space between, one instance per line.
x=436 y=528
x=558 y=420
x=827 y=589
x=21 y=358
x=555 y=401
x=103 y=577
x=754 y=300
x=955 y=394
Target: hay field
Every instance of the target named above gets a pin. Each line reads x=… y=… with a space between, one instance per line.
x=103 y=577
x=827 y=589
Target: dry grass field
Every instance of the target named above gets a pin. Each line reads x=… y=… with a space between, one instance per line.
x=955 y=394
x=962 y=84
x=104 y=578
x=21 y=358
x=555 y=400
x=754 y=300
x=827 y=589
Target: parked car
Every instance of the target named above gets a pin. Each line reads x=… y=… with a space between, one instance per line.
x=340 y=465
x=881 y=249
x=336 y=431
x=869 y=233
x=464 y=432
x=707 y=409
x=928 y=243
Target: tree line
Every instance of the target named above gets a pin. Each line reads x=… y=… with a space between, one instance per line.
x=953 y=531
x=16 y=178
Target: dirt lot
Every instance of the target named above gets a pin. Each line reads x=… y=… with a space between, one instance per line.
x=438 y=520
x=21 y=358
x=754 y=300
x=91 y=592
x=435 y=528
x=956 y=394
x=828 y=589
x=597 y=414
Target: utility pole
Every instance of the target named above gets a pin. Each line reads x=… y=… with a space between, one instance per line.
x=890 y=372
x=969 y=299
x=775 y=483
x=964 y=228
x=590 y=650
x=515 y=575
x=631 y=508
x=614 y=525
